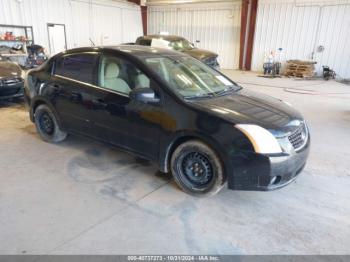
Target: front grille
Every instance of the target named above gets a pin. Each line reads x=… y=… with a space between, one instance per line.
x=11 y=81
x=10 y=91
x=299 y=137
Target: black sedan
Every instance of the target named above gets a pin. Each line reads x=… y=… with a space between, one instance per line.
x=11 y=81
x=174 y=110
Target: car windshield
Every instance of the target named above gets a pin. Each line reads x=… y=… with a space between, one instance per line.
x=181 y=45
x=191 y=78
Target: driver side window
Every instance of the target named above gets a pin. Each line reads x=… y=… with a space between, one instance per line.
x=120 y=75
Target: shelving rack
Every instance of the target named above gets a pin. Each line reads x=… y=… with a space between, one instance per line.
x=26 y=31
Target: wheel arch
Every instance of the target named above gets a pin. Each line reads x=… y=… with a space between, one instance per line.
x=184 y=137
x=35 y=103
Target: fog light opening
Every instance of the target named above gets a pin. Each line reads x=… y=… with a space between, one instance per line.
x=275 y=180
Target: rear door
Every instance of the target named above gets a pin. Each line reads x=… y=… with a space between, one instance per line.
x=73 y=78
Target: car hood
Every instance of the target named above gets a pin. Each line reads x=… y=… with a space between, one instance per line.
x=200 y=54
x=247 y=107
x=9 y=69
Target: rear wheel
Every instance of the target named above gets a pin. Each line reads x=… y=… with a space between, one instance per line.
x=47 y=126
x=197 y=169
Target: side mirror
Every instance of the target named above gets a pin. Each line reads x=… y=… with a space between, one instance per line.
x=145 y=95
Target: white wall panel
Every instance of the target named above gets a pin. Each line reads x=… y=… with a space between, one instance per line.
x=299 y=27
x=102 y=16
x=217 y=27
x=131 y=24
x=105 y=22
x=335 y=37
x=81 y=29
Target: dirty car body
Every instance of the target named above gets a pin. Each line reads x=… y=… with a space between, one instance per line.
x=11 y=81
x=181 y=44
x=262 y=142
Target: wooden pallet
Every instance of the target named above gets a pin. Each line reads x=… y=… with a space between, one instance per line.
x=300 y=69
x=301 y=76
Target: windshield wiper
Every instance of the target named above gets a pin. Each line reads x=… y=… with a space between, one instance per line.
x=226 y=91
x=208 y=95
x=215 y=94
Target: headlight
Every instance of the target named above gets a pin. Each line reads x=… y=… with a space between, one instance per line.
x=23 y=74
x=263 y=141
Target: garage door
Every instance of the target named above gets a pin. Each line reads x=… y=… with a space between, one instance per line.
x=215 y=27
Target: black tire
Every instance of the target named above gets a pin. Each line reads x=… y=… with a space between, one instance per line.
x=197 y=169
x=47 y=126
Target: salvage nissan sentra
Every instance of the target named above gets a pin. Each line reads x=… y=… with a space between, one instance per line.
x=174 y=110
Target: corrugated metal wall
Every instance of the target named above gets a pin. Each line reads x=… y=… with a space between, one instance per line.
x=105 y=22
x=299 y=27
x=216 y=26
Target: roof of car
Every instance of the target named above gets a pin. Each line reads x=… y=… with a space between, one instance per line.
x=165 y=37
x=133 y=50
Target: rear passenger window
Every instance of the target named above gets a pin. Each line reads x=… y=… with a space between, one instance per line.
x=80 y=67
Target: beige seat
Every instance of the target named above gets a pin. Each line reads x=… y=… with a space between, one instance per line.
x=142 y=81
x=112 y=80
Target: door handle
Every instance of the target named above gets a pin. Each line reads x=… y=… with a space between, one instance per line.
x=75 y=96
x=56 y=88
x=101 y=103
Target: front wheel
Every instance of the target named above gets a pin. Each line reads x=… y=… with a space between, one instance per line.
x=47 y=126
x=197 y=169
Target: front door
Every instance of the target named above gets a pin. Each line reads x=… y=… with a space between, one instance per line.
x=117 y=118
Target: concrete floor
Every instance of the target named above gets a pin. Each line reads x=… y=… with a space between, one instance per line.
x=82 y=197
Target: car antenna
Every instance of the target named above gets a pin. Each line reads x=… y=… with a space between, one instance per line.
x=92 y=42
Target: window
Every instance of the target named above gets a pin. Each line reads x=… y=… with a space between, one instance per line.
x=79 y=67
x=146 y=42
x=181 y=45
x=189 y=77
x=120 y=75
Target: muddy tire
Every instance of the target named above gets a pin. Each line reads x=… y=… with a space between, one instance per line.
x=47 y=126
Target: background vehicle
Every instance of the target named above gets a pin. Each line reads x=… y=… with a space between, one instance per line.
x=36 y=56
x=11 y=81
x=183 y=45
x=170 y=108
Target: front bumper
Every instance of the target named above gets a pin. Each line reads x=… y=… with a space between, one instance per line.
x=11 y=91
x=252 y=171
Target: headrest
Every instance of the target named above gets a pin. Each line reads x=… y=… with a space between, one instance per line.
x=142 y=81
x=112 y=70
